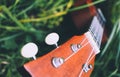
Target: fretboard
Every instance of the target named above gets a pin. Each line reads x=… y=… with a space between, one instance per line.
x=97 y=27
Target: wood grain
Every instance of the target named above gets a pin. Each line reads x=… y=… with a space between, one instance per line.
x=42 y=67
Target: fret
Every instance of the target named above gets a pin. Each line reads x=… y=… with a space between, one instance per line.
x=97 y=27
x=101 y=17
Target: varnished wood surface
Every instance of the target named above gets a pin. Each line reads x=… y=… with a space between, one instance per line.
x=42 y=67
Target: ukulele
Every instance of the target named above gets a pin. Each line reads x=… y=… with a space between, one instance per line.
x=74 y=58
x=83 y=16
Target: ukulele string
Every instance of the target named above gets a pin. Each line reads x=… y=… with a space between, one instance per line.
x=78 y=50
x=88 y=60
x=92 y=56
x=97 y=40
x=83 y=40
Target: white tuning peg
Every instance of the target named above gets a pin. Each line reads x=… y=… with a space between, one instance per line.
x=29 y=50
x=52 y=39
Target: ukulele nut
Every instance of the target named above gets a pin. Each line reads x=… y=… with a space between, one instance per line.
x=57 y=62
x=75 y=47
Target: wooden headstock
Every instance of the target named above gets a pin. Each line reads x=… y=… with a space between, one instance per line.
x=75 y=58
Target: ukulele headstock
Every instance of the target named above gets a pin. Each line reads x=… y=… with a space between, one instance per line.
x=75 y=56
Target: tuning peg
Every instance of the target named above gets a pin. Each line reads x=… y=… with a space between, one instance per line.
x=29 y=50
x=52 y=39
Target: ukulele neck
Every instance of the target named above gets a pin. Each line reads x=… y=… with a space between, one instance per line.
x=97 y=27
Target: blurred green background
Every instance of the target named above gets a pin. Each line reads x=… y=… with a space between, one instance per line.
x=23 y=21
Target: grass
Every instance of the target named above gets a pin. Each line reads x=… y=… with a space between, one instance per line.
x=25 y=21
x=108 y=63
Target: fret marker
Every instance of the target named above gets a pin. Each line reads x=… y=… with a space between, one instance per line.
x=29 y=50
x=52 y=39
